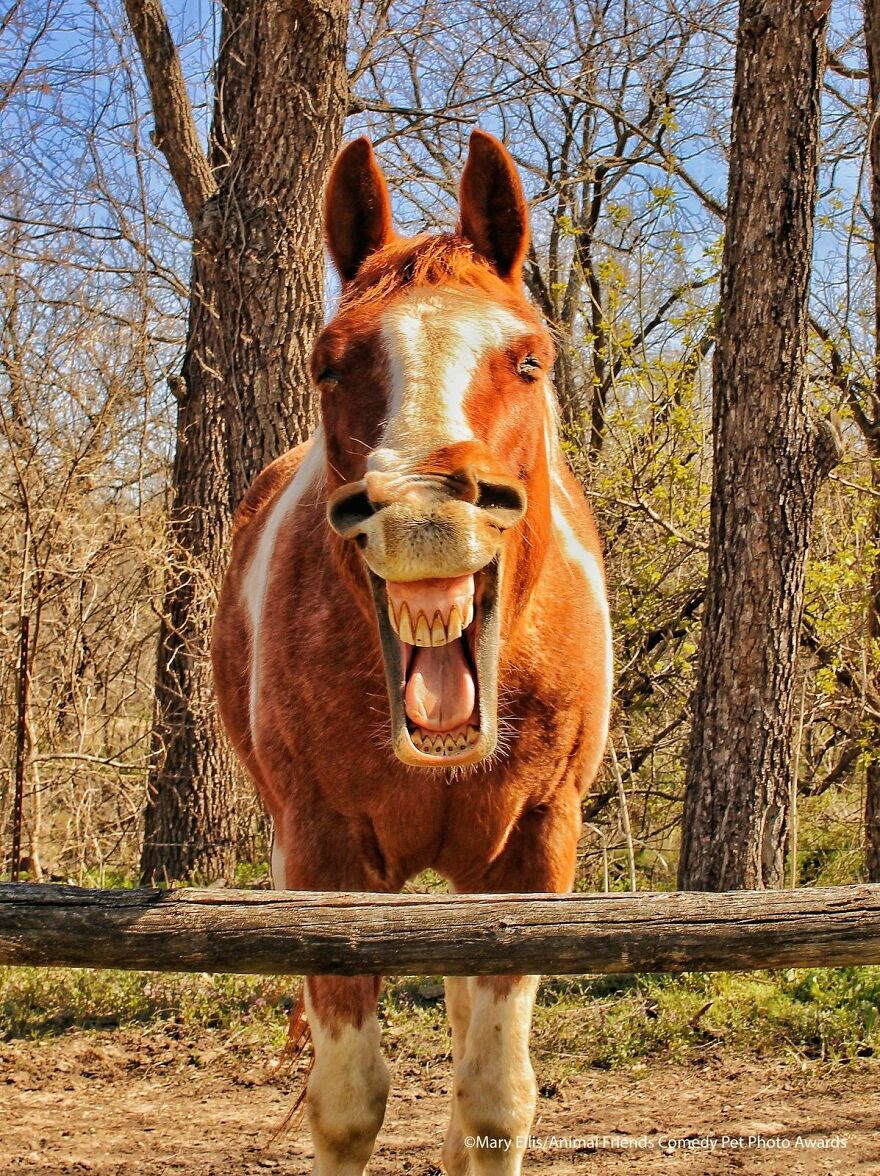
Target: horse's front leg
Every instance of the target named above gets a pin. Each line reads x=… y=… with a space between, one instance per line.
x=494 y=1088
x=348 y=1085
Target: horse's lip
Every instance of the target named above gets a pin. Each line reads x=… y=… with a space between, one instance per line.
x=484 y=651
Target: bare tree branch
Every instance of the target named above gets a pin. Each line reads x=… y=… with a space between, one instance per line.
x=175 y=133
x=844 y=70
x=852 y=389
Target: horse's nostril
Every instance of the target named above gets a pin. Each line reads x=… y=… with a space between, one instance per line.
x=504 y=501
x=464 y=484
x=348 y=510
x=497 y=496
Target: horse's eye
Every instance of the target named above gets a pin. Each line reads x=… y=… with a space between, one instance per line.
x=529 y=366
x=328 y=376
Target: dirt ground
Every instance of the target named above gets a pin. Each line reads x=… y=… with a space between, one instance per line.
x=128 y=1102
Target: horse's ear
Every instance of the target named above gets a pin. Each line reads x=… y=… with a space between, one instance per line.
x=494 y=215
x=357 y=209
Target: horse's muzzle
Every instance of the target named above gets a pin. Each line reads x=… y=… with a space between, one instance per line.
x=432 y=543
x=427 y=525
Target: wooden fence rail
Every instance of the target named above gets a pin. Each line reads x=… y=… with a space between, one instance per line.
x=299 y=932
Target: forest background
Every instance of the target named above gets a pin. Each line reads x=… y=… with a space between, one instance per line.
x=618 y=115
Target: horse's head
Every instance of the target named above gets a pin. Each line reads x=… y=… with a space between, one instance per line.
x=436 y=410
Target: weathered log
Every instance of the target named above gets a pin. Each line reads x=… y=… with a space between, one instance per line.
x=296 y=932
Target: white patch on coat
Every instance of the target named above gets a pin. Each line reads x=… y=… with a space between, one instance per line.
x=256 y=578
x=494 y=1085
x=458 y=1010
x=277 y=865
x=347 y=1091
x=435 y=341
x=577 y=554
x=552 y=448
x=585 y=561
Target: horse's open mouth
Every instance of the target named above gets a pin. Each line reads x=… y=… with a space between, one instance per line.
x=440 y=645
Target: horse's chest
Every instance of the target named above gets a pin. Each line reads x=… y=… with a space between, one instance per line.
x=324 y=714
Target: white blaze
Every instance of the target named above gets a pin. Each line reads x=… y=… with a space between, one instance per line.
x=435 y=341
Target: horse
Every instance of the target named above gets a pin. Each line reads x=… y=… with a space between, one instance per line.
x=412 y=649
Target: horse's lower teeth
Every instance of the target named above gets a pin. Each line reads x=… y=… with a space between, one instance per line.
x=445 y=744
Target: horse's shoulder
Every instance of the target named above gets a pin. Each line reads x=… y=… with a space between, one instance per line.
x=268 y=485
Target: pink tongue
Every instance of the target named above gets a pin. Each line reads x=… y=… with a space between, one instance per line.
x=440 y=690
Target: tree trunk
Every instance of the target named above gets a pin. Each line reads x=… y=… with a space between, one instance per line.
x=244 y=397
x=871 y=428
x=768 y=459
x=872 y=772
x=282 y=96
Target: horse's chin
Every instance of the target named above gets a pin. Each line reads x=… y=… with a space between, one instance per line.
x=440 y=645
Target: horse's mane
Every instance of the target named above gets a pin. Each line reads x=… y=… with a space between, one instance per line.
x=431 y=259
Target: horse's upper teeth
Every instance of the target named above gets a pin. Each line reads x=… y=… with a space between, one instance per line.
x=403 y=625
x=453 y=625
x=440 y=631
